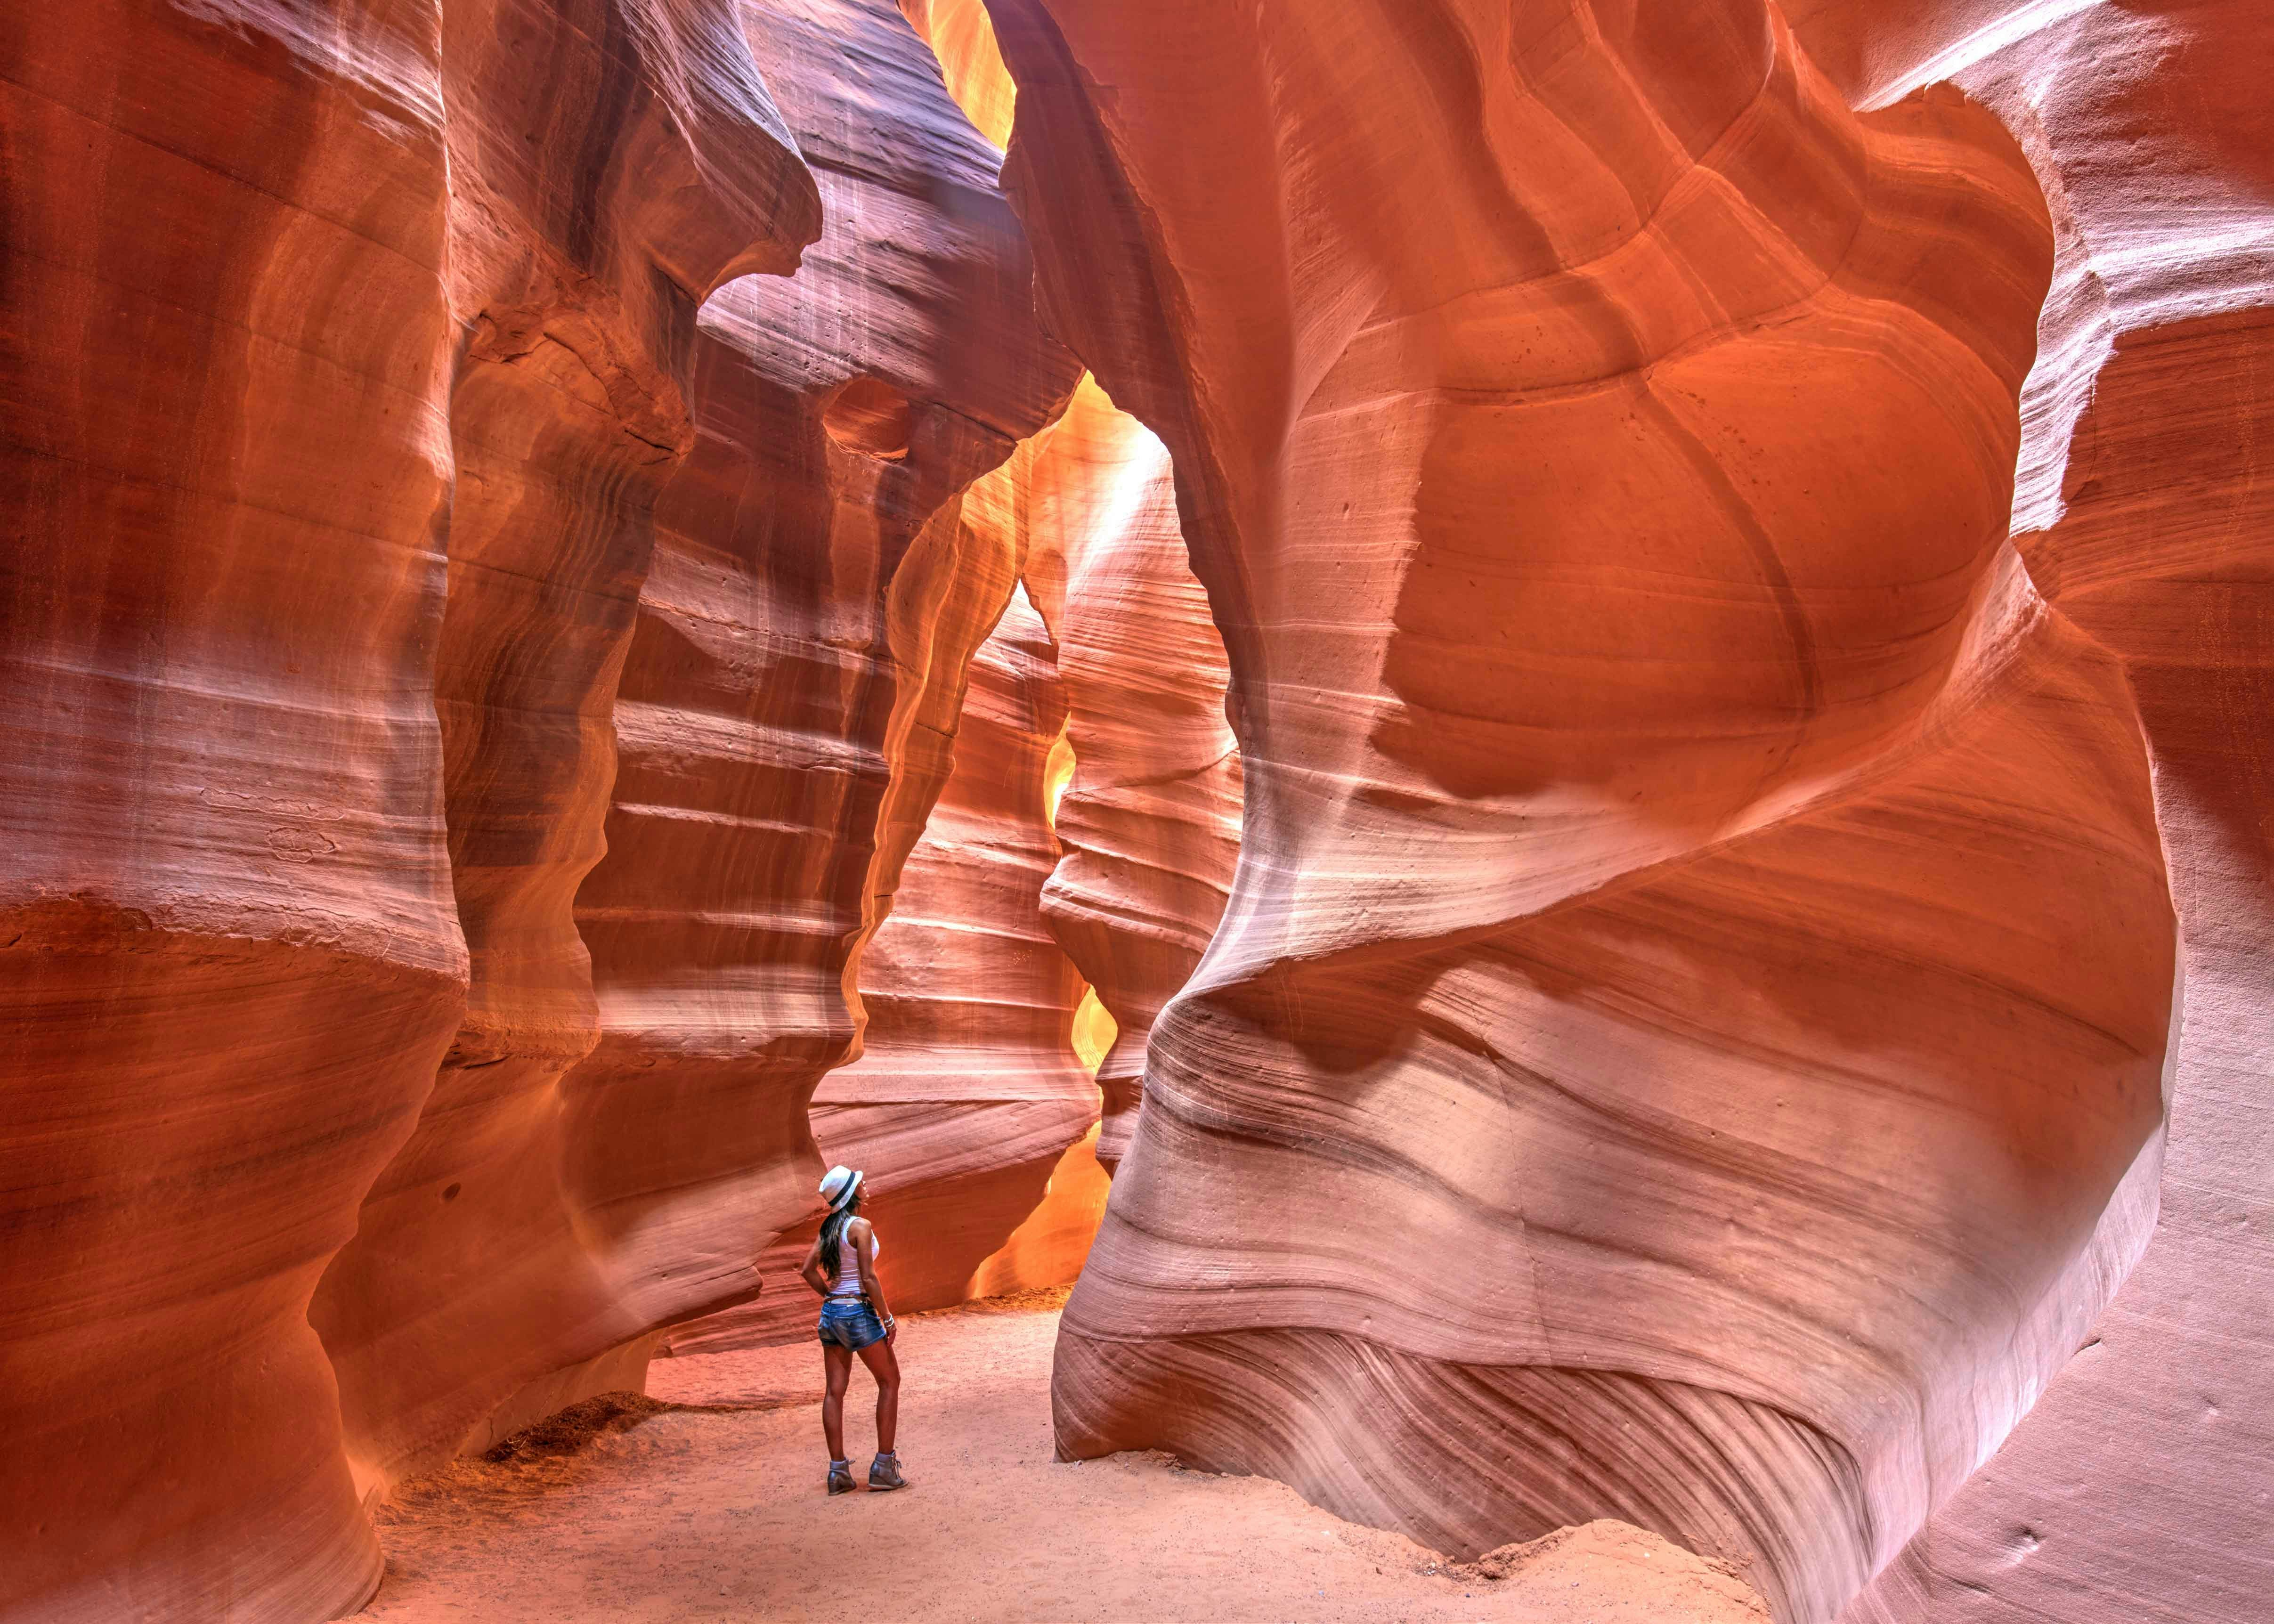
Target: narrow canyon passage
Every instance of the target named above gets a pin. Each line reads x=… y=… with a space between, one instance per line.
x=704 y=1501
x=1504 y=762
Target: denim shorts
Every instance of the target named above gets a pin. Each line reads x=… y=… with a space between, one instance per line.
x=849 y=1322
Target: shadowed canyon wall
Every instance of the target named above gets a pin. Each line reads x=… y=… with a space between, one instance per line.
x=968 y=1093
x=779 y=708
x=277 y=319
x=579 y=256
x=1646 y=706
x=1640 y=1072
x=1150 y=816
x=2141 y=1485
x=314 y=666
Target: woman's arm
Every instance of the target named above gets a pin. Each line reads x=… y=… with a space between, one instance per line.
x=866 y=1254
x=811 y=1273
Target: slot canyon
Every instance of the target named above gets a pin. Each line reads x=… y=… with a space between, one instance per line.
x=1509 y=763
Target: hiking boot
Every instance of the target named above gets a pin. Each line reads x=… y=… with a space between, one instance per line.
x=840 y=1476
x=884 y=1473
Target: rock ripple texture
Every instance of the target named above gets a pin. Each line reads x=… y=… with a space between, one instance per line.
x=289 y=288
x=1150 y=816
x=966 y=1093
x=469 y=711
x=1687 y=1040
x=2141 y=1485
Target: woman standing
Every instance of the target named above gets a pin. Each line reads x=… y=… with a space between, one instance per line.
x=842 y=1267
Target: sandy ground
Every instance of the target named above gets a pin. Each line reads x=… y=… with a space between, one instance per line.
x=704 y=1501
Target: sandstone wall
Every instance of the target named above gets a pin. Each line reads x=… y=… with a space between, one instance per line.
x=1663 y=641
x=1643 y=1071
x=772 y=785
x=352 y=397
x=1150 y=816
x=2139 y=1486
x=253 y=349
x=581 y=247
x=966 y=1095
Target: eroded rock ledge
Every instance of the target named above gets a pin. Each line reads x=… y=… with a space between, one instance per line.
x=1636 y=1017
x=1661 y=615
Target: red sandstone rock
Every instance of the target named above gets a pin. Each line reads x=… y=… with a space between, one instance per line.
x=968 y=1091
x=1644 y=1071
x=1150 y=814
x=1685 y=1045
x=1052 y=1242
x=1150 y=817
x=579 y=253
x=962 y=36
x=271 y=840
x=2139 y=1484
x=968 y=1094
x=239 y=270
x=793 y=691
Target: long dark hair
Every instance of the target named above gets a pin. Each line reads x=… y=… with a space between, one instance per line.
x=833 y=1230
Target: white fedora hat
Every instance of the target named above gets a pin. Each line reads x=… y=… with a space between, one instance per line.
x=839 y=1186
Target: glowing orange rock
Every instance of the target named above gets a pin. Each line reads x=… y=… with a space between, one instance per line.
x=1640 y=1071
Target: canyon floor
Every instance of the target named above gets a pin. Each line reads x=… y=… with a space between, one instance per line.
x=704 y=1501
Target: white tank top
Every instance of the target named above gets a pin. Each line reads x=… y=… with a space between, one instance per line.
x=847 y=1283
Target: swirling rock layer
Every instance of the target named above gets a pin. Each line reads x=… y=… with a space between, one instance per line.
x=793 y=688
x=1726 y=605
x=1642 y=1071
x=227 y=958
x=968 y=1094
x=1151 y=815
x=409 y=299
x=579 y=253
x=2138 y=1485
x=770 y=702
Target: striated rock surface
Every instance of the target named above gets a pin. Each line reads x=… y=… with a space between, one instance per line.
x=1151 y=815
x=1685 y=1042
x=229 y=960
x=1732 y=569
x=962 y=36
x=968 y=1094
x=312 y=665
x=2141 y=1484
x=794 y=687
x=580 y=249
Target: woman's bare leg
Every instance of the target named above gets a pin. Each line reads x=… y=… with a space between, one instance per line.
x=837 y=1367
x=886 y=1368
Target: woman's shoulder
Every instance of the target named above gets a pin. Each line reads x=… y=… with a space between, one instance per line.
x=858 y=1228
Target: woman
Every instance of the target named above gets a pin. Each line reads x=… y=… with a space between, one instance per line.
x=842 y=1267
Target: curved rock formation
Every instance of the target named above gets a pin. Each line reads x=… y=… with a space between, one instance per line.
x=2139 y=1486
x=579 y=251
x=1150 y=816
x=1645 y=1070
x=967 y=1095
x=227 y=948
x=1732 y=566
x=790 y=702
x=962 y=36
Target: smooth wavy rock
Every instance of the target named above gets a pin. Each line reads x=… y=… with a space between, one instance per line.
x=1151 y=815
x=962 y=36
x=246 y=242
x=1685 y=1042
x=580 y=249
x=966 y=1093
x=789 y=703
x=2139 y=1484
